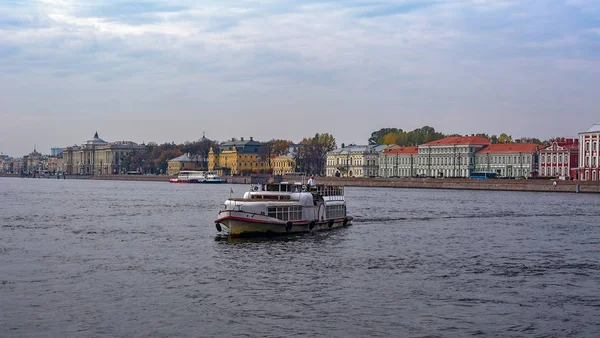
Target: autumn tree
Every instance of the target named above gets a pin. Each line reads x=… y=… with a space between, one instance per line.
x=377 y=136
x=504 y=138
x=311 y=156
x=411 y=138
x=272 y=149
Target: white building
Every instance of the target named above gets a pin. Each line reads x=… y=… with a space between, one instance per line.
x=588 y=153
x=508 y=159
x=398 y=162
x=354 y=161
x=452 y=156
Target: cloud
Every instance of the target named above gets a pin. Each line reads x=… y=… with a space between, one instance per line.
x=411 y=61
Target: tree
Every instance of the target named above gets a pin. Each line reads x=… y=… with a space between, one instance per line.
x=272 y=149
x=411 y=138
x=377 y=136
x=504 y=138
x=311 y=156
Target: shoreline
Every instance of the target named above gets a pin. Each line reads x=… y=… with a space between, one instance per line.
x=532 y=185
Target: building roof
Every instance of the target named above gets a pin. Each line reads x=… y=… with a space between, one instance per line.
x=568 y=144
x=509 y=148
x=459 y=140
x=595 y=128
x=403 y=151
x=359 y=149
x=95 y=141
x=182 y=158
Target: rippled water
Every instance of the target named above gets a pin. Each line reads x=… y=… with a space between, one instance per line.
x=142 y=259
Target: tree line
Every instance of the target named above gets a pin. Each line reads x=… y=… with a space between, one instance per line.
x=428 y=134
x=310 y=154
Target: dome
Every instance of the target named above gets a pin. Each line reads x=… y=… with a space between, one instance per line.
x=203 y=138
x=96 y=141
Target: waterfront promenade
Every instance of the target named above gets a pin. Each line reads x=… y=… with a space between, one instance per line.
x=540 y=185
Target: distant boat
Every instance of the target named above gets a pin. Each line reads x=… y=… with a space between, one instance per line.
x=194 y=176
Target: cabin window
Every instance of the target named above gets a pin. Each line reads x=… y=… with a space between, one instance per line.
x=335 y=211
x=286 y=213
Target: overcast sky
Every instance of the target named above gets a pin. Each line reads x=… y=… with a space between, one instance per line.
x=166 y=71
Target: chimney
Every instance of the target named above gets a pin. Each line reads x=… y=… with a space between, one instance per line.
x=251 y=138
x=241 y=138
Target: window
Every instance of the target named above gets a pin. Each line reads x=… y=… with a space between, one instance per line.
x=587 y=146
x=286 y=213
x=335 y=211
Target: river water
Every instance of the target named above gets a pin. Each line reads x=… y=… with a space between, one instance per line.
x=82 y=258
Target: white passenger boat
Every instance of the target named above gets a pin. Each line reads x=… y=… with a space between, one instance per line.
x=280 y=208
x=195 y=176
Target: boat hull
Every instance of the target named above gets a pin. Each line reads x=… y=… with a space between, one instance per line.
x=196 y=181
x=242 y=224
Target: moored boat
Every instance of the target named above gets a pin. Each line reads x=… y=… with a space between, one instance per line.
x=194 y=176
x=283 y=208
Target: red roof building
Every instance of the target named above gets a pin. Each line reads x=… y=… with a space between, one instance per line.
x=398 y=162
x=450 y=157
x=561 y=158
x=508 y=159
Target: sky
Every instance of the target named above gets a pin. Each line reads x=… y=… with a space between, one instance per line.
x=167 y=71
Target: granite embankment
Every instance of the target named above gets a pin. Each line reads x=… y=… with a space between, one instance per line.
x=540 y=185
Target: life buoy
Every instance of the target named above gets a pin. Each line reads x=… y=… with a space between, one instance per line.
x=330 y=224
x=218 y=226
x=311 y=225
x=288 y=226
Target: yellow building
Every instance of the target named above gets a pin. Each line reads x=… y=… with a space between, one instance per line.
x=237 y=158
x=186 y=162
x=283 y=164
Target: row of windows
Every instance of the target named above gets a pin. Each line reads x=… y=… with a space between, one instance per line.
x=335 y=211
x=286 y=213
x=395 y=159
x=447 y=150
x=547 y=158
x=350 y=161
x=503 y=160
x=594 y=146
x=396 y=172
x=594 y=162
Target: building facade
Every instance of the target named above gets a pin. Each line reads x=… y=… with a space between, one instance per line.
x=561 y=158
x=398 y=162
x=186 y=162
x=284 y=164
x=508 y=159
x=354 y=161
x=237 y=158
x=452 y=156
x=589 y=143
x=98 y=157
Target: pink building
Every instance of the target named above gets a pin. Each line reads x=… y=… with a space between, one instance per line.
x=588 y=154
x=561 y=158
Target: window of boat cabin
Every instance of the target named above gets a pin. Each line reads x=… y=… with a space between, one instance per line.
x=335 y=211
x=286 y=213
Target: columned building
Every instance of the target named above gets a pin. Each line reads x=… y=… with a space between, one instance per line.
x=561 y=158
x=98 y=157
x=354 y=161
x=589 y=143
x=398 y=162
x=452 y=156
x=508 y=159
